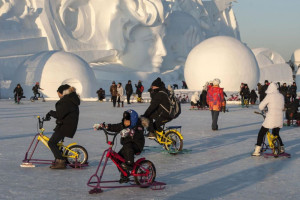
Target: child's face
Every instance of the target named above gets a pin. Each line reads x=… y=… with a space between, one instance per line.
x=126 y=122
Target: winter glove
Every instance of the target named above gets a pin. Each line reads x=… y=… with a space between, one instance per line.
x=48 y=116
x=144 y=121
x=99 y=126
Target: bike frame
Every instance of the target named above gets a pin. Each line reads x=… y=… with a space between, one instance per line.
x=44 y=139
x=117 y=160
x=160 y=137
x=270 y=138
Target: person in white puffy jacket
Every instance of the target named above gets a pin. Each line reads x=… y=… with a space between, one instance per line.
x=195 y=99
x=274 y=101
x=120 y=98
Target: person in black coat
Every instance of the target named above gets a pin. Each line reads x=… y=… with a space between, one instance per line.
x=283 y=89
x=263 y=90
x=253 y=97
x=129 y=91
x=159 y=108
x=132 y=139
x=101 y=94
x=293 y=90
x=67 y=115
x=36 y=89
x=245 y=93
x=18 y=92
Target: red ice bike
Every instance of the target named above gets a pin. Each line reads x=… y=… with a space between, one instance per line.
x=142 y=175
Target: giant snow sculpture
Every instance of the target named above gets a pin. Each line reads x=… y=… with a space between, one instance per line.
x=221 y=57
x=119 y=39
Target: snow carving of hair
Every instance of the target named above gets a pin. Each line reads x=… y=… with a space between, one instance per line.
x=134 y=13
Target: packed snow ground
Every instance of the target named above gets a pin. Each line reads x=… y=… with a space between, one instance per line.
x=214 y=165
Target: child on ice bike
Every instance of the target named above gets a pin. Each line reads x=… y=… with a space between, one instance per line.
x=132 y=138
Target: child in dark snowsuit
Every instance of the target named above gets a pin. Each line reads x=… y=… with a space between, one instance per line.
x=253 y=97
x=132 y=139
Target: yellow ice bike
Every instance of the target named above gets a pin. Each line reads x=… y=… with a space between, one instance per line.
x=76 y=156
x=273 y=141
x=170 y=138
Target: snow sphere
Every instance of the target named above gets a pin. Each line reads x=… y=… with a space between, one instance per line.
x=54 y=68
x=298 y=82
x=221 y=57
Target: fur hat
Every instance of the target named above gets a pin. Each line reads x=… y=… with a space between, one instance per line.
x=216 y=81
x=157 y=82
x=62 y=88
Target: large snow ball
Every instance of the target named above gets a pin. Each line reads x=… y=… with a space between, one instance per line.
x=296 y=58
x=54 y=68
x=221 y=57
x=298 y=82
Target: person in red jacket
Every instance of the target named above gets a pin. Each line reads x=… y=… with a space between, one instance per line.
x=216 y=102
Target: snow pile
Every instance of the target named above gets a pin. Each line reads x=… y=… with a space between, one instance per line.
x=221 y=57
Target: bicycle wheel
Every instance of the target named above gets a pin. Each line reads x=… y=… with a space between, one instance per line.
x=173 y=142
x=276 y=147
x=82 y=155
x=142 y=179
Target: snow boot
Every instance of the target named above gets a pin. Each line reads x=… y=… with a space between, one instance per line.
x=256 y=151
x=59 y=164
x=122 y=104
x=151 y=135
x=118 y=105
x=282 y=149
x=123 y=179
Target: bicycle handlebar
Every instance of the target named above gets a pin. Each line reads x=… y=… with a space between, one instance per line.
x=109 y=133
x=260 y=113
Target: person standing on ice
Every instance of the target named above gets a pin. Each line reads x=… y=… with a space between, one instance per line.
x=120 y=94
x=67 y=116
x=129 y=91
x=274 y=101
x=216 y=102
x=114 y=93
x=195 y=100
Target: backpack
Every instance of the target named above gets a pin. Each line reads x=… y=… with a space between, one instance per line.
x=175 y=107
x=142 y=89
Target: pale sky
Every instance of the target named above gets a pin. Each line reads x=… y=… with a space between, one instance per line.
x=273 y=24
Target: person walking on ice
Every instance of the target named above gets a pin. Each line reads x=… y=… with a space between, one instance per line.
x=274 y=101
x=216 y=102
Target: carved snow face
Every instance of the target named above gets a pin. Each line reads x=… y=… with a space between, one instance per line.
x=146 y=49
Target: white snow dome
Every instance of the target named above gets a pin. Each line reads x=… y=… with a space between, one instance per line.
x=296 y=57
x=221 y=57
x=52 y=69
x=298 y=82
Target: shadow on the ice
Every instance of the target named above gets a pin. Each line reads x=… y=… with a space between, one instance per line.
x=203 y=145
x=22 y=136
x=239 y=126
x=228 y=184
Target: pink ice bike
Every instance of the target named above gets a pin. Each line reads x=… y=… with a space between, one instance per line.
x=142 y=175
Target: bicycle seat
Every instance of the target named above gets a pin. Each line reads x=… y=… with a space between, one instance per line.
x=172 y=127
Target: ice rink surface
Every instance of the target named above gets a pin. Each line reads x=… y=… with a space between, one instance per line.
x=214 y=165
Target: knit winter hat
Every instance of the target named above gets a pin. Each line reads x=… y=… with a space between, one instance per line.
x=62 y=88
x=216 y=81
x=157 y=82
